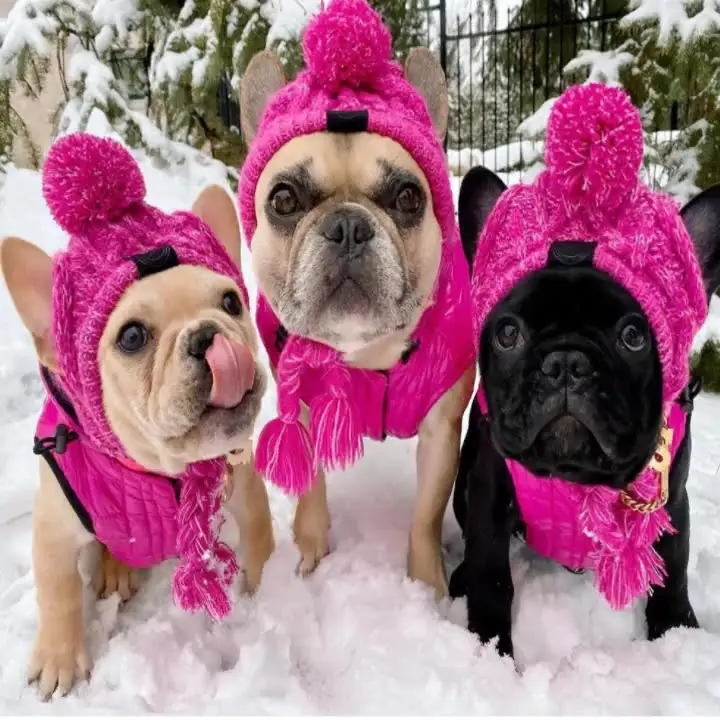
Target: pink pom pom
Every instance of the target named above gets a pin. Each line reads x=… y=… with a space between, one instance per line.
x=346 y=45
x=595 y=145
x=285 y=456
x=87 y=179
x=336 y=437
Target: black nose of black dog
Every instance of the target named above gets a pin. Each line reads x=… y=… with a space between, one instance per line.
x=350 y=231
x=566 y=368
x=200 y=341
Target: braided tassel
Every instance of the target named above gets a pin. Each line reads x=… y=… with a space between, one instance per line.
x=207 y=567
x=285 y=454
x=336 y=433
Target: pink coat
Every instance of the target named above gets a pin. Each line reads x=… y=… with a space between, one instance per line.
x=587 y=527
x=132 y=512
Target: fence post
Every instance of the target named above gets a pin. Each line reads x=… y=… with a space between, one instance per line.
x=443 y=57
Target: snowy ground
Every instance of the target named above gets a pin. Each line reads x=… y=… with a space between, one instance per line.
x=357 y=637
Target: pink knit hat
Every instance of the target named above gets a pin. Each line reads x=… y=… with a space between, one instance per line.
x=350 y=84
x=95 y=192
x=591 y=192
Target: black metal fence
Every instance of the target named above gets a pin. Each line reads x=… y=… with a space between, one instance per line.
x=502 y=67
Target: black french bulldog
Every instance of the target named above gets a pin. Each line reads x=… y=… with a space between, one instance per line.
x=578 y=397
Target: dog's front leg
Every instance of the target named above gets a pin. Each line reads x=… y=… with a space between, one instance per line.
x=487 y=517
x=312 y=519
x=59 y=656
x=669 y=606
x=312 y=526
x=250 y=507
x=438 y=455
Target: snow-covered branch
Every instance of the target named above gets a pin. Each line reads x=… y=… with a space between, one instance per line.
x=674 y=16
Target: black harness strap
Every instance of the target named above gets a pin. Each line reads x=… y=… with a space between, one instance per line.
x=44 y=447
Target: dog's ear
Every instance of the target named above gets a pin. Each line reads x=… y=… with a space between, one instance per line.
x=28 y=275
x=262 y=79
x=702 y=220
x=480 y=190
x=424 y=72
x=214 y=206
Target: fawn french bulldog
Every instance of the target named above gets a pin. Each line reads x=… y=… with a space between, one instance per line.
x=148 y=354
x=364 y=304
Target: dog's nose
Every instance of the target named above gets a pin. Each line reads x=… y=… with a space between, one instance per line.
x=566 y=368
x=578 y=366
x=349 y=230
x=200 y=341
x=554 y=368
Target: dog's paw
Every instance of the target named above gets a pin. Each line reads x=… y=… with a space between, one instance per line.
x=254 y=563
x=58 y=660
x=659 y=622
x=313 y=548
x=112 y=576
x=425 y=563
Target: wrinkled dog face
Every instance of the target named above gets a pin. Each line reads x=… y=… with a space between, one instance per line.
x=347 y=246
x=568 y=361
x=157 y=381
x=572 y=377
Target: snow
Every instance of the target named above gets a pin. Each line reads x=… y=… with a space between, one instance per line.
x=29 y=23
x=356 y=637
x=602 y=67
x=674 y=16
x=115 y=18
x=534 y=125
x=287 y=18
x=512 y=161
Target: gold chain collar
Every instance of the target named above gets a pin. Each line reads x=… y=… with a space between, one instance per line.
x=659 y=463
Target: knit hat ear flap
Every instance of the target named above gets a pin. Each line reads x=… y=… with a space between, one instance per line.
x=594 y=146
x=89 y=180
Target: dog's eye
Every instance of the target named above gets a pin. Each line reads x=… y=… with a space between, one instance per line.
x=508 y=335
x=231 y=303
x=132 y=338
x=284 y=200
x=408 y=200
x=633 y=338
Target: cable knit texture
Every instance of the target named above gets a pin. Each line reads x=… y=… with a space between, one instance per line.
x=347 y=52
x=95 y=191
x=590 y=191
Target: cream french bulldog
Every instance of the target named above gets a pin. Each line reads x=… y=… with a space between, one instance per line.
x=148 y=354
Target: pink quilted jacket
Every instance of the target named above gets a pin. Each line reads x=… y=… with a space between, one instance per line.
x=132 y=513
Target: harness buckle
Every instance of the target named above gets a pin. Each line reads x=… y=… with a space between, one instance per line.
x=58 y=442
x=687 y=397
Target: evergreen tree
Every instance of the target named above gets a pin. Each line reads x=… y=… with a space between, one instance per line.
x=182 y=58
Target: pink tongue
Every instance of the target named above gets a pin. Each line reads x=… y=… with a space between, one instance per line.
x=233 y=371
